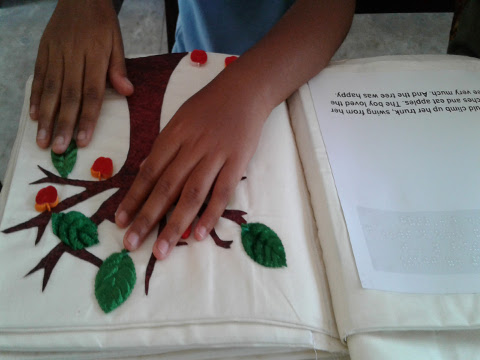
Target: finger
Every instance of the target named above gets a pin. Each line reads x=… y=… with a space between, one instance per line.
x=165 y=192
x=69 y=103
x=52 y=87
x=150 y=170
x=37 y=83
x=117 y=72
x=223 y=190
x=92 y=96
x=192 y=198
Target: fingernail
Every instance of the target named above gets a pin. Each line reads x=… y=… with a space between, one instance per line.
x=129 y=82
x=82 y=135
x=42 y=134
x=59 y=140
x=33 y=109
x=201 y=232
x=122 y=217
x=163 y=247
x=132 y=240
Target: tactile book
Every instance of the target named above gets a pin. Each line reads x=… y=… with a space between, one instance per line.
x=294 y=269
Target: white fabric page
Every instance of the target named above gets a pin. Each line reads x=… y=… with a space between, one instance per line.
x=359 y=310
x=402 y=149
x=203 y=296
x=400 y=345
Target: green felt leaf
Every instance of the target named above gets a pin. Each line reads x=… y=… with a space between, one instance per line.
x=75 y=229
x=263 y=245
x=64 y=162
x=115 y=281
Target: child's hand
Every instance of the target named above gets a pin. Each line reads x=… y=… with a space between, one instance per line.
x=212 y=137
x=208 y=142
x=81 y=43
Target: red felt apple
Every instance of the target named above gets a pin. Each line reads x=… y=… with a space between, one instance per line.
x=230 y=59
x=46 y=199
x=187 y=232
x=198 y=57
x=102 y=168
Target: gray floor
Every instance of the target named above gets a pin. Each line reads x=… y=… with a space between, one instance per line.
x=142 y=23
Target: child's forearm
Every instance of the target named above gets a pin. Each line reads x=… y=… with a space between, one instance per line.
x=299 y=46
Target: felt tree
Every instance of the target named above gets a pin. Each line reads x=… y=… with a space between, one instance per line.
x=150 y=76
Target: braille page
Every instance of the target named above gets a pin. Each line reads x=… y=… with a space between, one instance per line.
x=405 y=155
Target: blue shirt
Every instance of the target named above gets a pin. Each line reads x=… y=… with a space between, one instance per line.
x=225 y=26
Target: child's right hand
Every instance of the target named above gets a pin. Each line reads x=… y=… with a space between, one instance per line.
x=206 y=146
x=80 y=45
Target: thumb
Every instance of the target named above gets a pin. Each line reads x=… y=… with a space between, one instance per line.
x=117 y=72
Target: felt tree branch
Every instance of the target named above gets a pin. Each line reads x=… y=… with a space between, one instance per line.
x=105 y=212
x=41 y=221
x=233 y=215
x=50 y=260
x=149 y=272
x=153 y=260
x=219 y=242
x=51 y=178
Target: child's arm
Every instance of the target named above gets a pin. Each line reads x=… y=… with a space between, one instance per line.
x=79 y=47
x=212 y=137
